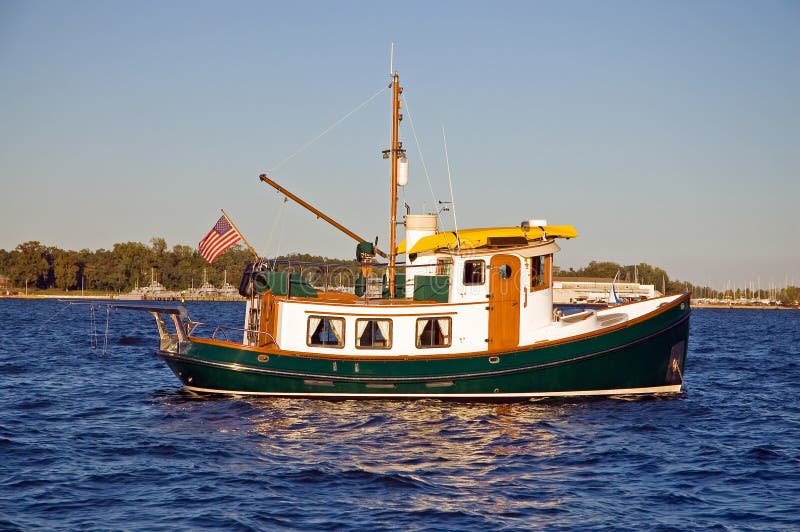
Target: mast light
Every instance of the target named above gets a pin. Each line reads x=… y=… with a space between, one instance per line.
x=402 y=171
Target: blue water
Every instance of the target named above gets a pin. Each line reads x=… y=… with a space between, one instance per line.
x=109 y=441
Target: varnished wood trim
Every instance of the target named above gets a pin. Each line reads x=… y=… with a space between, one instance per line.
x=484 y=252
x=360 y=304
x=504 y=315
x=386 y=316
x=333 y=296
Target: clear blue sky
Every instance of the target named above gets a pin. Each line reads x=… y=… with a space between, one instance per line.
x=665 y=132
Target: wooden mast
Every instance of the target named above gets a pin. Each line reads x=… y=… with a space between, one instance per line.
x=395 y=150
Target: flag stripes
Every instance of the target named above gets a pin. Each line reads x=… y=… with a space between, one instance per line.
x=221 y=237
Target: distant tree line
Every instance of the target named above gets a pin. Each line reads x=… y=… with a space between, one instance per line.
x=124 y=267
x=130 y=264
x=642 y=273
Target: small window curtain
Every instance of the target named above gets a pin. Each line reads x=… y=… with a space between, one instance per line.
x=444 y=327
x=337 y=326
x=383 y=327
x=361 y=326
x=313 y=324
x=420 y=328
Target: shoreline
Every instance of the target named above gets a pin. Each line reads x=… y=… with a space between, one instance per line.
x=741 y=307
x=122 y=297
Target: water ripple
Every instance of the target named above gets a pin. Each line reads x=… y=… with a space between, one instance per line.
x=109 y=441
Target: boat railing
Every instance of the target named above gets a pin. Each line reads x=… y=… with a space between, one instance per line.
x=220 y=329
x=344 y=276
x=228 y=333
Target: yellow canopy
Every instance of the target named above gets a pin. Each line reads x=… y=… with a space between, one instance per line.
x=476 y=238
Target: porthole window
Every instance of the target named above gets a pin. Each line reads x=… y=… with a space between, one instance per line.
x=504 y=271
x=373 y=334
x=433 y=332
x=325 y=331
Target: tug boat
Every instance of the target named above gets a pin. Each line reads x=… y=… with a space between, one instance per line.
x=467 y=315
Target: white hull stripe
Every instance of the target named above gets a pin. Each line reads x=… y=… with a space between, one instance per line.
x=673 y=388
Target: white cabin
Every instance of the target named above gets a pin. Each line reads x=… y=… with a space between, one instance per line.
x=491 y=291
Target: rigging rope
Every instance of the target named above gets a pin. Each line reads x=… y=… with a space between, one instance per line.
x=278 y=222
x=51 y=318
x=281 y=227
x=421 y=158
x=105 y=338
x=92 y=329
x=326 y=131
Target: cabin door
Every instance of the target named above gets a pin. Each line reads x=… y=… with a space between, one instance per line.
x=504 y=276
x=266 y=323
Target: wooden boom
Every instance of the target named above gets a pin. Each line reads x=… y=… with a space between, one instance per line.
x=316 y=211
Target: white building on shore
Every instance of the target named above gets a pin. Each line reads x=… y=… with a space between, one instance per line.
x=582 y=290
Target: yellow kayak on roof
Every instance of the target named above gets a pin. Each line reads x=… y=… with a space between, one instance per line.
x=476 y=238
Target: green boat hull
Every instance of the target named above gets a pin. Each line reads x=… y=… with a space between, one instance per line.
x=647 y=356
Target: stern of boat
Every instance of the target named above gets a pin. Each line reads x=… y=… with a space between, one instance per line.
x=172 y=322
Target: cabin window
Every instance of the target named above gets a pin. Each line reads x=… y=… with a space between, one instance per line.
x=443 y=266
x=325 y=331
x=373 y=334
x=433 y=332
x=540 y=272
x=473 y=272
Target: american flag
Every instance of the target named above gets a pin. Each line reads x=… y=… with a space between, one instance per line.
x=221 y=237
